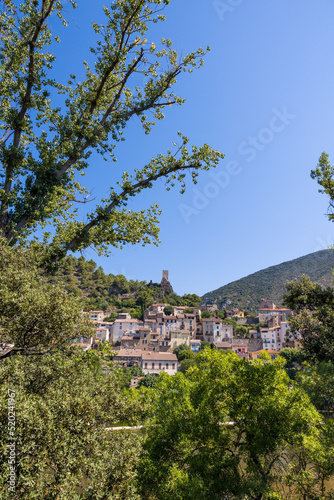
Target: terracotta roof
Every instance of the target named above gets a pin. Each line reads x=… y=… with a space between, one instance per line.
x=159 y=356
x=128 y=320
x=214 y=320
x=129 y=352
x=223 y=345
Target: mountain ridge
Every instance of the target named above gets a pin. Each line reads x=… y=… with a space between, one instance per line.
x=269 y=283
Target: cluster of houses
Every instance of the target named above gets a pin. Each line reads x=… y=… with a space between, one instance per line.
x=150 y=342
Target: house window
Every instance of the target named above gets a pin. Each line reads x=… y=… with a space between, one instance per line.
x=167 y=366
x=152 y=366
x=173 y=366
x=159 y=366
x=145 y=365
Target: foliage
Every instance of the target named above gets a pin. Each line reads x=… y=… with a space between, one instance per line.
x=191 y=300
x=206 y=314
x=180 y=348
x=62 y=447
x=51 y=128
x=144 y=299
x=318 y=381
x=187 y=363
x=193 y=451
x=294 y=359
x=241 y=331
x=324 y=175
x=221 y=314
x=97 y=290
x=185 y=354
x=35 y=317
x=130 y=372
x=247 y=292
x=205 y=344
x=168 y=310
x=314 y=320
x=111 y=318
x=148 y=381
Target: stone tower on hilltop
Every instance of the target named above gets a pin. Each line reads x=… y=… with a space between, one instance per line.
x=165 y=284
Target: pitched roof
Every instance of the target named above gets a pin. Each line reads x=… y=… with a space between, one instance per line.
x=223 y=345
x=128 y=320
x=159 y=356
x=214 y=320
x=129 y=352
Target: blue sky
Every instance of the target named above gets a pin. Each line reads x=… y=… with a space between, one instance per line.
x=264 y=98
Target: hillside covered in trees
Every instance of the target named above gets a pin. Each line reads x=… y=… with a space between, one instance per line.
x=109 y=292
x=270 y=283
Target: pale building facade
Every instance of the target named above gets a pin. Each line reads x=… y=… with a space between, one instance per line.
x=154 y=363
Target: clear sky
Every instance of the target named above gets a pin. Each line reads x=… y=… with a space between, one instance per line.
x=264 y=98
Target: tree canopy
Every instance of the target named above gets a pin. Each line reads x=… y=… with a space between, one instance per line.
x=231 y=428
x=324 y=175
x=63 y=450
x=35 y=316
x=50 y=128
x=314 y=320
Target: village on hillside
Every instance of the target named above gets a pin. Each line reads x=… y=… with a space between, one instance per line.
x=151 y=342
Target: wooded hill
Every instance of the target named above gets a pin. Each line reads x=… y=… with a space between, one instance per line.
x=269 y=283
x=110 y=292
